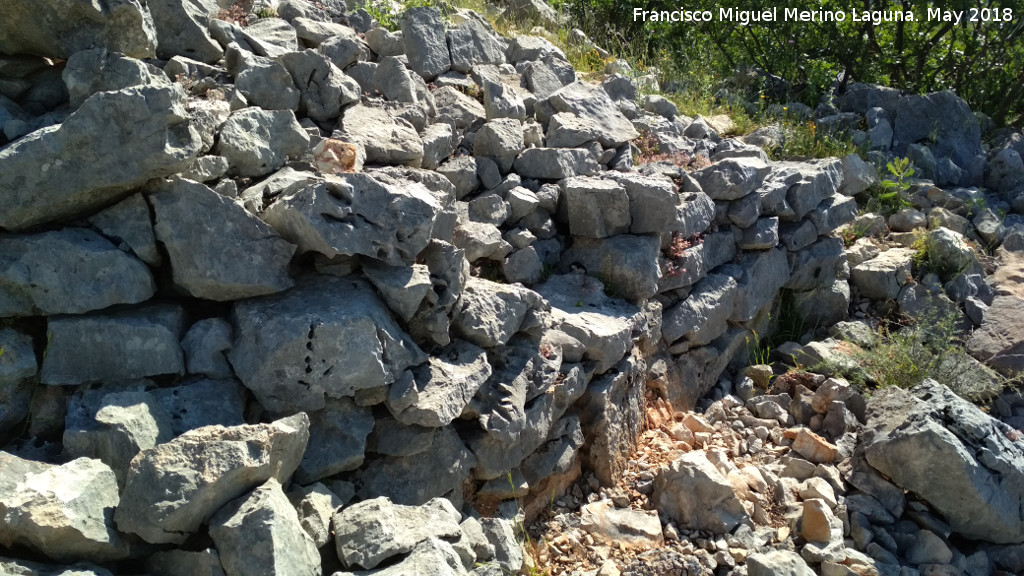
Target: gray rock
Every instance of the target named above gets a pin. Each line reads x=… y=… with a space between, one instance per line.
x=391 y=438
x=118 y=346
x=732 y=178
x=206 y=345
x=316 y=506
x=763 y=234
x=702 y=316
x=508 y=551
x=373 y=531
x=473 y=43
x=266 y=83
x=569 y=130
x=96 y=155
x=627 y=265
x=329 y=336
x=97 y=70
x=115 y=429
x=502 y=99
x=823 y=306
x=182 y=28
x=314 y=32
x=489 y=314
x=629 y=527
x=56 y=29
x=763 y=274
x=64 y=512
x=818 y=180
x=439 y=142
x=442 y=388
x=347 y=214
x=389 y=140
x=1005 y=171
x=881 y=277
x=456 y=107
x=257 y=142
x=461 y=171
x=402 y=288
x=832 y=213
x=324 y=89
x=259 y=534
x=217 y=250
x=128 y=222
x=68 y=271
x=271 y=37
x=596 y=208
x=943 y=119
x=18 y=369
x=343 y=51
x=907 y=220
x=385 y=43
x=555 y=163
x=501 y=140
x=997 y=341
x=423 y=34
x=523 y=266
x=592 y=102
x=696 y=496
x=973 y=472
x=581 y=310
x=819 y=264
x=203 y=403
x=175 y=487
x=185 y=563
x=337 y=440
x=415 y=479
x=858 y=175
x=694 y=213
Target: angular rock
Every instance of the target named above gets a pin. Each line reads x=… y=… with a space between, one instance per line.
x=592 y=102
x=777 y=563
x=489 y=314
x=329 y=336
x=473 y=43
x=372 y=531
x=732 y=178
x=217 y=250
x=627 y=265
x=59 y=29
x=881 y=277
x=347 y=214
x=97 y=70
x=414 y=480
x=388 y=139
x=18 y=369
x=959 y=460
x=64 y=512
x=597 y=208
x=500 y=140
x=257 y=142
x=944 y=120
x=555 y=163
x=626 y=527
x=817 y=180
x=99 y=154
x=316 y=506
x=763 y=274
x=266 y=83
x=423 y=34
x=694 y=493
x=337 y=440
x=175 y=487
x=997 y=342
x=271 y=37
x=128 y=222
x=324 y=89
x=259 y=534
x=456 y=107
x=442 y=388
x=702 y=316
x=205 y=345
x=203 y=403
x=123 y=345
x=118 y=427
x=182 y=29
x=68 y=271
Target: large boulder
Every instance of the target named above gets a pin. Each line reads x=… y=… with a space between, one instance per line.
x=98 y=70
x=377 y=216
x=626 y=264
x=56 y=28
x=417 y=478
x=218 y=250
x=337 y=440
x=174 y=488
x=388 y=139
x=732 y=178
x=597 y=208
x=113 y=143
x=425 y=42
x=945 y=121
x=259 y=534
x=122 y=345
x=324 y=89
x=328 y=336
x=68 y=271
x=64 y=512
x=962 y=462
x=443 y=387
x=998 y=341
x=489 y=313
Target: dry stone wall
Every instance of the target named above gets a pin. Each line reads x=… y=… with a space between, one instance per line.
x=309 y=285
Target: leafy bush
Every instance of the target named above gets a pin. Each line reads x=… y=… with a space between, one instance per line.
x=889 y=198
x=980 y=61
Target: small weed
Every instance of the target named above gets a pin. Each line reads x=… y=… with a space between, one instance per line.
x=268 y=12
x=237 y=13
x=804 y=140
x=889 y=197
x=758 y=352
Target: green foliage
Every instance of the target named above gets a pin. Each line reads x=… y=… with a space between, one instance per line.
x=268 y=12
x=804 y=140
x=979 y=60
x=890 y=195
